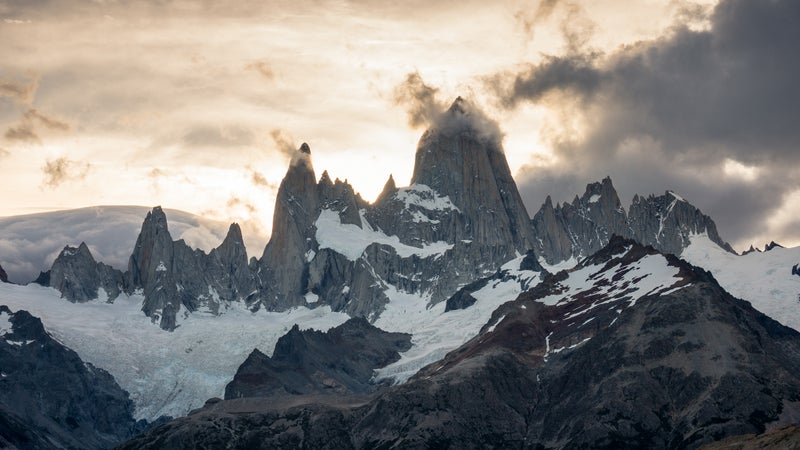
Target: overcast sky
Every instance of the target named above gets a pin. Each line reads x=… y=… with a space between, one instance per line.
x=190 y=104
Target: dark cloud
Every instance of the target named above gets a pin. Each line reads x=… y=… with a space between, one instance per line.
x=425 y=109
x=669 y=113
x=263 y=68
x=57 y=171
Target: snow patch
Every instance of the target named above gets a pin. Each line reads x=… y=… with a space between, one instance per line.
x=351 y=240
x=424 y=197
x=594 y=198
x=5 y=324
x=311 y=297
x=161 y=267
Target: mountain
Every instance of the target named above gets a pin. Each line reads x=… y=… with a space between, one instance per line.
x=339 y=361
x=461 y=216
x=30 y=243
x=3 y=275
x=578 y=229
x=631 y=349
x=50 y=398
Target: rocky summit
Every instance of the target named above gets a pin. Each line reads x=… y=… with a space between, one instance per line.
x=631 y=349
x=577 y=229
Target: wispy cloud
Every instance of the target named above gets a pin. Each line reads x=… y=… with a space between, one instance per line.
x=59 y=170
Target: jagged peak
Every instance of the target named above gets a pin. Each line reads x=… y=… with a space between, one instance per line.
x=234 y=233
x=156 y=218
x=389 y=189
x=325 y=179
x=772 y=245
x=459 y=105
x=304 y=148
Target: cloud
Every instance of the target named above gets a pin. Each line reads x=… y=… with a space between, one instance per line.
x=57 y=171
x=218 y=136
x=32 y=119
x=528 y=19
x=419 y=100
x=259 y=180
x=21 y=93
x=263 y=68
x=4 y=153
x=425 y=109
x=670 y=113
x=22 y=132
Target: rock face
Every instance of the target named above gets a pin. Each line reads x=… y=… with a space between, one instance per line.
x=667 y=221
x=3 y=275
x=580 y=228
x=49 y=398
x=79 y=277
x=172 y=276
x=340 y=361
x=604 y=356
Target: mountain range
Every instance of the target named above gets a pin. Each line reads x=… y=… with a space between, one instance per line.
x=445 y=316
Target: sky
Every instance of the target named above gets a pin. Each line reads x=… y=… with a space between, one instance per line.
x=195 y=105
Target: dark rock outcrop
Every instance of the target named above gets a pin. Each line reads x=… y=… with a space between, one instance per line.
x=563 y=366
x=339 y=361
x=666 y=222
x=772 y=245
x=49 y=398
x=580 y=228
x=172 y=276
x=79 y=277
x=3 y=275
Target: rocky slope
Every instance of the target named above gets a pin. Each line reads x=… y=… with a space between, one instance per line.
x=49 y=398
x=339 y=361
x=631 y=349
x=3 y=275
x=578 y=229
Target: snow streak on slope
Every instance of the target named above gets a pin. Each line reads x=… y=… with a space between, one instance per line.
x=166 y=373
x=651 y=274
x=764 y=279
x=436 y=332
x=351 y=240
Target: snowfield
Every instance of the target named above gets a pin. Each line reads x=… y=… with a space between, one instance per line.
x=166 y=373
x=764 y=279
x=436 y=332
